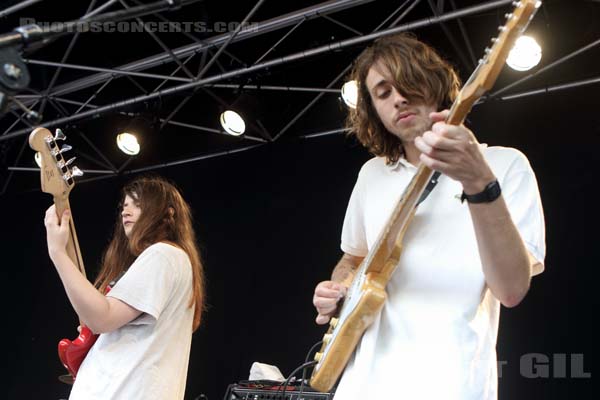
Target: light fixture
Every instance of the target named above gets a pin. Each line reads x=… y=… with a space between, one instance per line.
x=38 y=159
x=128 y=143
x=350 y=93
x=525 y=54
x=232 y=122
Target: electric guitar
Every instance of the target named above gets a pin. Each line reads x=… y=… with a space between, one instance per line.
x=366 y=295
x=57 y=179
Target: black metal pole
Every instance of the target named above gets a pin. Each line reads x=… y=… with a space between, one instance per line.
x=24 y=36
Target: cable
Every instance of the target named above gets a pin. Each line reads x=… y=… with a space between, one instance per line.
x=283 y=387
x=287 y=381
x=230 y=392
x=320 y=342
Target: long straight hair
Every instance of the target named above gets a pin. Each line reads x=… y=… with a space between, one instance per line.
x=165 y=217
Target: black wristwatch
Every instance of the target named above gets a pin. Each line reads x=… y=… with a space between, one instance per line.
x=490 y=193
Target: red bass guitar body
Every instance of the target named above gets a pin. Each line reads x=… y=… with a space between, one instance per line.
x=72 y=353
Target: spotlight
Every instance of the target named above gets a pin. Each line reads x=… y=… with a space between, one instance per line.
x=130 y=131
x=233 y=123
x=128 y=143
x=350 y=93
x=525 y=54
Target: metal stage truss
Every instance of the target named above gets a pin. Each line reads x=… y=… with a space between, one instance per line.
x=299 y=60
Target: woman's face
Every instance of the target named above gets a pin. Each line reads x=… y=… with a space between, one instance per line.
x=130 y=214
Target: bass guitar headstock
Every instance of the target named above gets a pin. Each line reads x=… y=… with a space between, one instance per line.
x=56 y=174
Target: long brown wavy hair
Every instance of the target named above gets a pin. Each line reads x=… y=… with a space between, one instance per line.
x=419 y=73
x=165 y=217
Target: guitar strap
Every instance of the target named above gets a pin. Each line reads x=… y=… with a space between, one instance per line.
x=434 y=180
x=112 y=283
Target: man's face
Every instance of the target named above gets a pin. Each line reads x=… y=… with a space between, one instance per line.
x=400 y=117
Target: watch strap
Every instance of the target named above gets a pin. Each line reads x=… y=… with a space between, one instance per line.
x=491 y=192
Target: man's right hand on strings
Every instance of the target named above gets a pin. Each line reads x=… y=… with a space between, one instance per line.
x=326 y=298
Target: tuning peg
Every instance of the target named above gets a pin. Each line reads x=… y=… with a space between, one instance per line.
x=59 y=135
x=494 y=39
x=64 y=148
x=516 y=3
x=62 y=163
x=76 y=171
x=508 y=15
x=502 y=28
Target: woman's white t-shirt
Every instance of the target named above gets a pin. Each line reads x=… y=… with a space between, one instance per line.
x=148 y=357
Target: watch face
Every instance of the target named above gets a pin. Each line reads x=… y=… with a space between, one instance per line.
x=492 y=191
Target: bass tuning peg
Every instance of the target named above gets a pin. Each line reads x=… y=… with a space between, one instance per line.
x=76 y=171
x=59 y=135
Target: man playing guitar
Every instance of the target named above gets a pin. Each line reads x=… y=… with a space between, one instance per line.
x=436 y=334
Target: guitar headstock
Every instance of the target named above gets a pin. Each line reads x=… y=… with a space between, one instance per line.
x=491 y=64
x=56 y=174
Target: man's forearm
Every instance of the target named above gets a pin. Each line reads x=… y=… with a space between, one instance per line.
x=505 y=260
x=345 y=269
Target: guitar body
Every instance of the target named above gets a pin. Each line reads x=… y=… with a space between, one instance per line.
x=72 y=353
x=364 y=300
x=343 y=335
x=366 y=295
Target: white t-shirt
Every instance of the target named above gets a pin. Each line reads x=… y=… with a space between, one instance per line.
x=436 y=335
x=148 y=357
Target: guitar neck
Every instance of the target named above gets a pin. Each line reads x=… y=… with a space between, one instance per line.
x=397 y=224
x=381 y=259
x=73 y=251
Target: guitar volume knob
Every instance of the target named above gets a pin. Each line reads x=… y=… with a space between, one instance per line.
x=333 y=322
x=318 y=356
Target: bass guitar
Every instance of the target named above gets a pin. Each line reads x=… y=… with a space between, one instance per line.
x=57 y=179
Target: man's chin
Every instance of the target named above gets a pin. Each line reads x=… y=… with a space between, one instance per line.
x=407 y=136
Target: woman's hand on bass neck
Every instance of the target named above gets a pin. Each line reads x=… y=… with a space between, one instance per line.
x=57 y=231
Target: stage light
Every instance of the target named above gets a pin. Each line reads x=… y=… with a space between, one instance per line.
x=350 y=93
x=233 y=123
x=38 y=159
x=525 y=54
x=128 y=143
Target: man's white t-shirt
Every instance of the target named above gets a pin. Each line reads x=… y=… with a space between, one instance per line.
x=436 y=335
x=147 y=358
